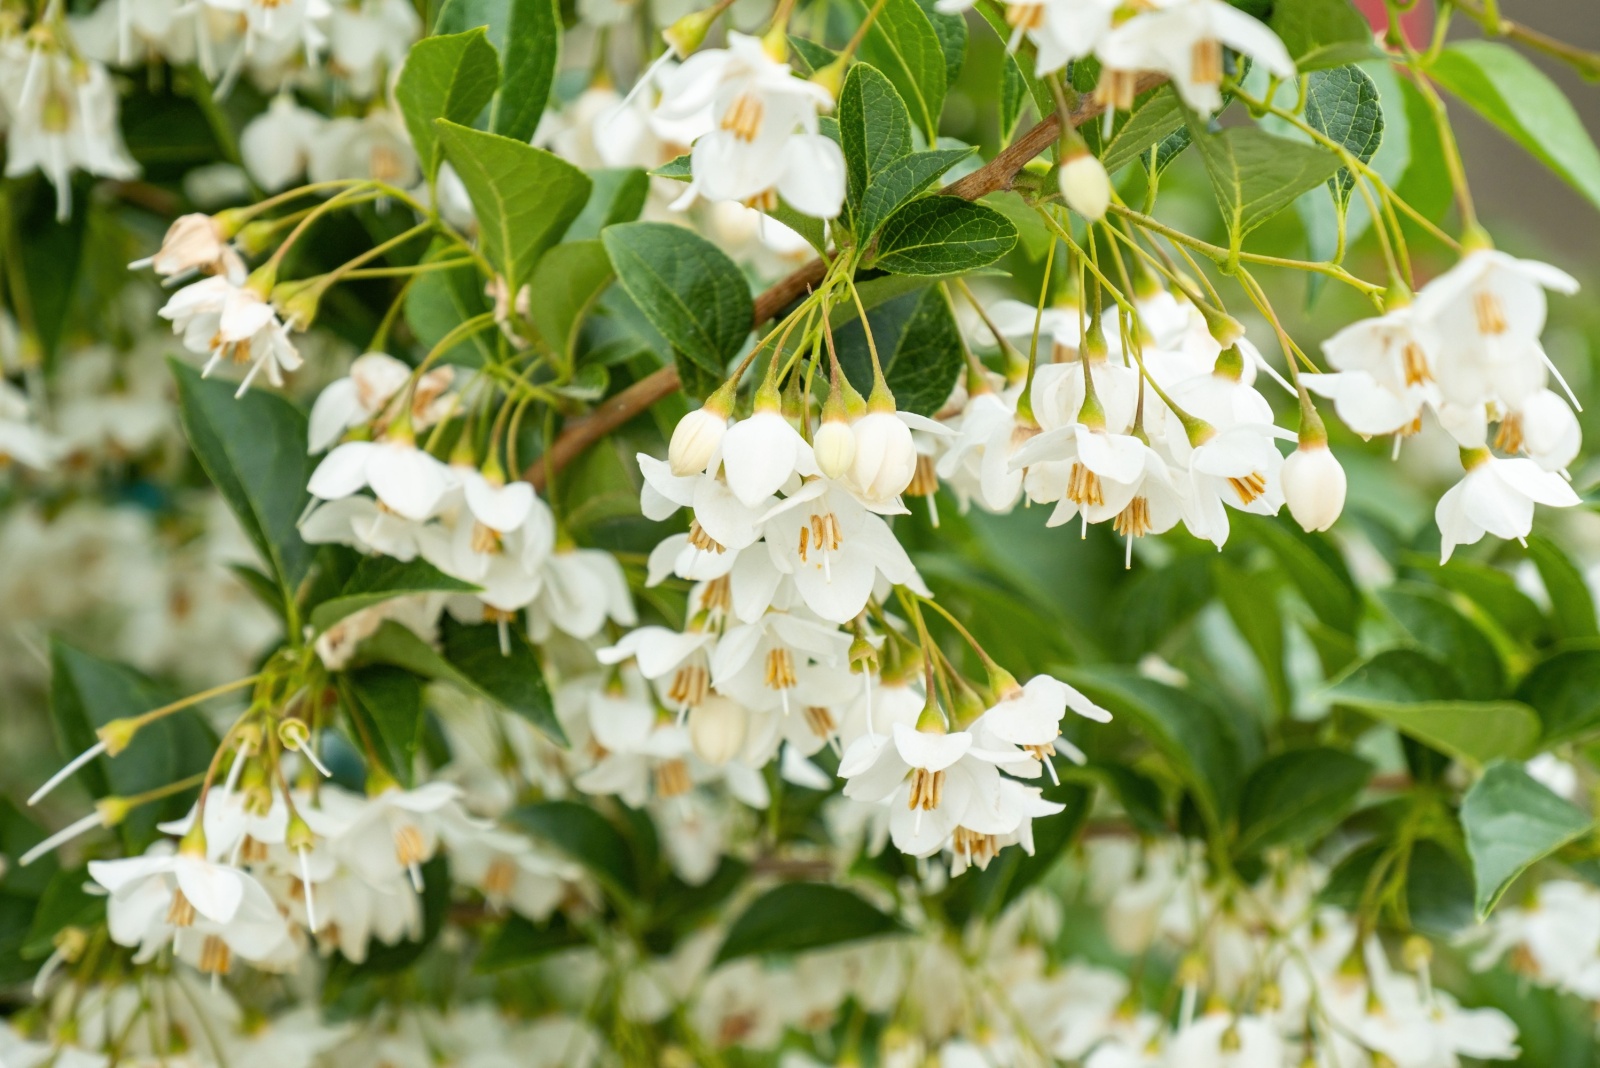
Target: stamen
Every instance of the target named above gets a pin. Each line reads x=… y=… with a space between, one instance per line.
x=1415 y=362
x=780 y=669
x=485 y=539
x=703 y=541
x=1205 y=62
x=690 y=684
x=499 y=879
x=180 y=913
x=1490 y=312
x=820 y=720
x=215 y=956
x=743 y=117
x=1509 y=437
x=1249 y=487
x=1083 y=487
x=717 y=597
x=672 y=779
x=927 y=789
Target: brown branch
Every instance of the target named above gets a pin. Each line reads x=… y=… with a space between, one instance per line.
x=992 y=177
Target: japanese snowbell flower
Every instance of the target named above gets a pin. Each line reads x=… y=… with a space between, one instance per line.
x=374 y=380
x=195 y=242
x=1183 y=39
x=762 y=453
x=765 y=143
x=1238 y=468
x=407 y=480
x=1544 y=428
x=1496 y=496
x=223 y=320
x=1029 y=716
x=276 y=145
x=1485 y=305
x=582 y=589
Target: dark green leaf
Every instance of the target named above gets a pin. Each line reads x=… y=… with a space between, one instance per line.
x=904 y=45
x=531 y=55
x=568 y=281
x=64 y=903
x=522 y=941
x=1296 y=796
x=254 y=449
x=525 y=197
x=510 y=675
x=919 y=346
x=1343 y=105
x=448 y=77
x=899 y=182
x=1315 y=568
x=943 y=235
x=380 y=578
x=1155 y=117
x=587 y=837
x=952 y=33
x=800 y=916
x=1434 y=624
x=1517 y=97
x=1512 y=821
x=386 y=704
x=686 y=287
x=874 y=130
x=439 y=301
x=1252 y=604
x=618 y=197
x=1322 y=33
x=1256 y=175
x=1565 y=691
x=1571 y=605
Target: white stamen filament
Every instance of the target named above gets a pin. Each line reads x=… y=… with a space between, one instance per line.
x=305 y=881
x=505 y=637
x=52 y=964
x=311 y=754
x=71 y=766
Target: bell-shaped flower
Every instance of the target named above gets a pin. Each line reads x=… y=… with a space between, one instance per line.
x=1184 y=39
x=767 y=664
x=763 y=453
x=407 y=480
x=1029 y=716
x=1496 y=496
x=1543 y=428
x=1486 y=305
x=364 y=395
x=583 y=588
x=276 y=145
x=223 y=320
x=195 y=242
x=63 y=116
x=1238 y=468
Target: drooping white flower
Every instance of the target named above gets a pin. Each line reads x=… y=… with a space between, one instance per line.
x=193 y=243
x=1183 y=39
x=1384 y=372
x=1313 y=486
x=223 y=320
x=374 y=380
x=1496 y=496
x=695 y=440
x=762 y=453
x=276 y=145
x=409 y=481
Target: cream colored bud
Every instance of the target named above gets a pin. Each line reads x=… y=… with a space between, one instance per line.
x=835 y=446
x=885 y=458
x=1314 y=486
x=1086 y=186
x=694 y=440
x=717 y=728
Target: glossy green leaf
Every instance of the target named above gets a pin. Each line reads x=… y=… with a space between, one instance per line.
x=381 y=578
x=525 y=197
x=253 y=448
x=951 y=30
x=1571 y=604
x=903 y=44
x=1511 y=822
x=1255 y=175
x=530 y=57
x=447 y=77
x=1565 y=691
x=899 y=182
x=569 y=280
x=1296 y=796
x=385 y=704
x=943 y=235
x=1314 y=566
x=1322 y=33
x=1506 y=88
x=521 y=941
x=1252 y=604
x=687 y=287
x=919 y=346
x=800 y=916
x=587 y=837
x=1429 y=618
x=509 y=673
x=1343 y=105
x=874 y=130
x=618 y=195
x=439 y=301
x=1155 y=116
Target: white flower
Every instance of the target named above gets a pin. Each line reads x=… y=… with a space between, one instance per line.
x=1221 y=1040
x=507 y=868
x=20 y=438
x=1486 y=305
x=695 y=440
x=1030 y=716
x=375 y=146
x=1239 y=468
x=222 y=320
x=762 y=453
x=1313 y=486
x=1183 y=39
x=1544 y=428
x=407 y=480
x=195 y=242
x=389 y=836
x=368 y=38
x=1086 y=186
x=374 y=380
x=276 y=144
x=1384 y=372
x=1496 y=496
x=764 y=142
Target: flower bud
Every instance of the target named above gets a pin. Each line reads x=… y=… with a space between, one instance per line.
x=1314 y=486
x=687 y=34
x=1086 y=186
x=717 y=728
x=835 y=447
x=694 y=439
x=885 y=458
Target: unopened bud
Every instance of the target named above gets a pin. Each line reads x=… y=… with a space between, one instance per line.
x=835 y=447
x=885 y=456
x=1085 y=186
x=1314 y=486
x=298 y=300
x=1224 y=328
x=717 y=728
x=687 y=34
x=695 y=440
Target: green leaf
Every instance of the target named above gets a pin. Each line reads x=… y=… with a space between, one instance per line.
x=952 y=33
x=386 y=705
x=874 y=130
x=1511 y=822
x=568 y=281
x=587 y=837
x=1322 y=33
x=1565 y=691
x=800 y=916
x=811 y=56
x=1507 y=89
x=521 y=941
x=919 y=346
x=87 y=692
x=1316 y=569
x=532 y=55
x=254 y=450
x=1294 y=797
x=618 y=197
x=18 y=834
x=678 y=168
x=1342 y=104
x=943 y=235
x=903 y=44
x=525 y=197
x=687 y=287
x=1416 y=694
x=449 y=77
x=1455 y=641
x=1571 y=605
x=899 y=182
x=1256 y=175
x=1252 y=604
x=510 y=675
x=1155 y=117
x=50 y=255
x=64 y=903
x=439 y=301
x=381 y=578
x=1196 y=739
